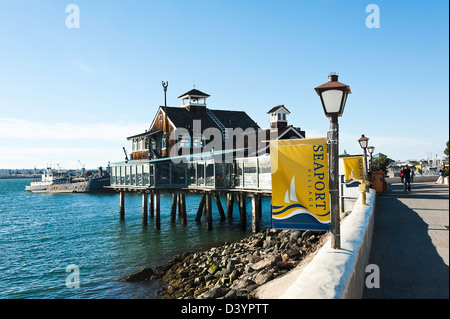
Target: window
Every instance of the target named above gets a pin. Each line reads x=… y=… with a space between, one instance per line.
x=163 y=142
x=198 y=142
x=184 y=140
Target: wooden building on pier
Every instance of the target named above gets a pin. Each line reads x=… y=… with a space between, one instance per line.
x=191 y=119
x=238 y=165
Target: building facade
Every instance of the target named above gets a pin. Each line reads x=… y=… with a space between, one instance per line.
x=193 y=128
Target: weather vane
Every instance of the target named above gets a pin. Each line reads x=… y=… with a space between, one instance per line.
x=165 y=85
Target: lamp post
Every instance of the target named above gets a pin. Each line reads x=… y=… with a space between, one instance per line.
x=371 y=149
x=364 y=142
x=333 y=96
x=166 y=119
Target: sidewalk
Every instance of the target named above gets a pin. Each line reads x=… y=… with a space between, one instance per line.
x=410 y=243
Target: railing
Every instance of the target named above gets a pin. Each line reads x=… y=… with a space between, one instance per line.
x=243 y=173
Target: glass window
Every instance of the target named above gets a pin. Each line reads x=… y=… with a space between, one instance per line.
x=163 y=141
x=192 y=174
x=201 y=174
x=184 y=140
x=178 y=174
x=210 y=174
x=196 y=142
x=162 y=174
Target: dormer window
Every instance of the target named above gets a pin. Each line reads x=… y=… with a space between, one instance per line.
x=184 y=140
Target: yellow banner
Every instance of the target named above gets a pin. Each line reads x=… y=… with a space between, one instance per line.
x=300 y=185
x=354 y=170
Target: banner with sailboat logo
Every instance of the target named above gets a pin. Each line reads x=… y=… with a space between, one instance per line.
x=354 y=170
x=300 y=185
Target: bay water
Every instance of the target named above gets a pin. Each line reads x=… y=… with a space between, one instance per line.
x=42 y=234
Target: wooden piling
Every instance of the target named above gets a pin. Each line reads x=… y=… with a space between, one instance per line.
x=144 y=209
x=208 y=211
x=152 y=206
x=200 y=209
x=122 y=205
x=179 y=205
x=230 y=203
x=173 y=212
x=242 y=210
x=157 y=211
x=256 y=213
x=219 y=207
x=183 y=214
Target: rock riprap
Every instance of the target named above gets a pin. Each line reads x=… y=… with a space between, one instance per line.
x=232 y=270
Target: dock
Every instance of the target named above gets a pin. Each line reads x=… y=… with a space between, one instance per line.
x=238 y=180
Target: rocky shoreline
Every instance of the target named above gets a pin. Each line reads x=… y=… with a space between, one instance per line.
x=233 y=270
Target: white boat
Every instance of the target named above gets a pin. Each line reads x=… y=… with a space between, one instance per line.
x=48 y=178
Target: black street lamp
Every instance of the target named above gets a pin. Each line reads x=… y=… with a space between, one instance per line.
x=333 y=96
x=364 y=142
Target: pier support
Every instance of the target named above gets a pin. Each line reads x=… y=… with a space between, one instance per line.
x=230 y=203
x=208 y=212
x=122 y=206
x=219 y=207
x=182 y=206
x=256 y=213
x=200 y=209
x=157 y=211
x=242 y=210
x=152 y=206
x=173 y=212
x=144 y=209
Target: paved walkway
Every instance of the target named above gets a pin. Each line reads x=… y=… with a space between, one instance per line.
x=411 y=242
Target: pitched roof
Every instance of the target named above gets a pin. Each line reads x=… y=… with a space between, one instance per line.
x=276 y=108
x=182 y=117
x=195 y=92
x=235 y=119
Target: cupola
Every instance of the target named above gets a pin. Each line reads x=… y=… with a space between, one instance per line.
x=194 y=100
x=278 y=117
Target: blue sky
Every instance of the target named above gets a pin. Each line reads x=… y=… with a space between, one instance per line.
x=75 y=94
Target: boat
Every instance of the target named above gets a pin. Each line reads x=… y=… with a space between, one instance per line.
x=47 y=179
x=67 y=181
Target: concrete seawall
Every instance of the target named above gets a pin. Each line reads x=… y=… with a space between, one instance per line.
x=333 y=274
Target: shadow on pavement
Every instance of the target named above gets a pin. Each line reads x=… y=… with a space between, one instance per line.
x=410 y=266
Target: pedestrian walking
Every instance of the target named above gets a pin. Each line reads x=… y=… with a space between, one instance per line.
x=412 y=175
x=407 y=178
x=441 y=177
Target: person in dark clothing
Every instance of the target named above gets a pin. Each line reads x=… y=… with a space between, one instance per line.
x=407 y=178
